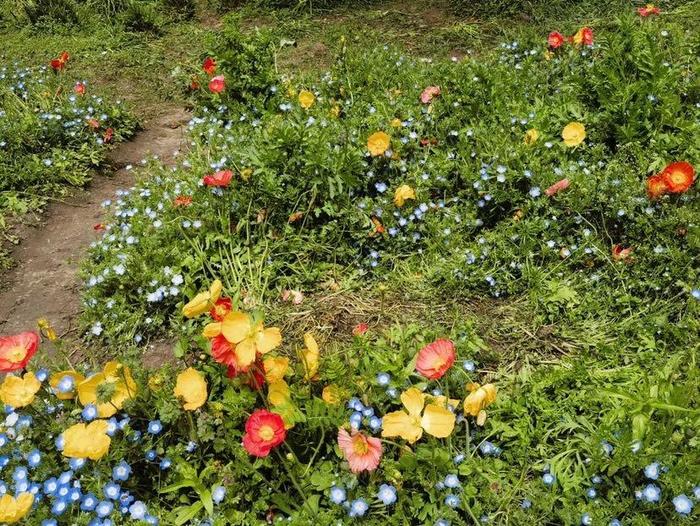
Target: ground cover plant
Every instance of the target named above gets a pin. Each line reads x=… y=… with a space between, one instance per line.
x=54 y=131
x=399 y=291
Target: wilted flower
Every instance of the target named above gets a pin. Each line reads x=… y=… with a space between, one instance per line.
x=478 y=399
x=557 y=187
x=531 y=136
x=429 y=93
x=310 y=356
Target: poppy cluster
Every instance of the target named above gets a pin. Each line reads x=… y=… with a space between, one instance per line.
x=676 y=178
x=583 y=36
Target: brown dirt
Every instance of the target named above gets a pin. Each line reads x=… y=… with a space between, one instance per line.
x=44 y=282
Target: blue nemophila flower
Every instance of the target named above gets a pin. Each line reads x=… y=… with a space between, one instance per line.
x=375 y=423
x=155 y=427
x=121 y=471
x=591 y=493
x=76 y=463
x=49 y=522
x=218 y=494
x=387 y=494
x=89 y=502
x=111 y=490
x=452 y=500
x=358 y=508
x=468 y=365
x=138 y=511
x=356 y=420
x=20 y=473
x=652 y=471
x=104 y=508
x=615 y=522
x=383 y=379
x=338 y=495
x=34 y=458
x=682 y=504
x=526 y=504
x=458 y=458
x=549 y=479
x=191 y=446
x=451 y=481
x=586 y=520
x=651 y=493
x=442 y=522
x=59 y=506
x=165 y=463
x=151 y=455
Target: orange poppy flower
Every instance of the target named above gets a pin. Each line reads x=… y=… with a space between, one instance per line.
x=436 y=358
x=182 y=200
x=649 y=9
x=17 y=350
x=584 y=36
x=656 y=186
x=678 y=177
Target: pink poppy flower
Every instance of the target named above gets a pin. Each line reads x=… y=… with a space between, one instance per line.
x=429 y=93
x=557 y=187
x=217 y=84
x=436 y=358
x=363 y=453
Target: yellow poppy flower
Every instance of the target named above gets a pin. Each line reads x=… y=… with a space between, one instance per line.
x=478 y=399
x=435 y=420
x=203 y=301
x=57 y=377
x=86 y=440
x=306 y=99
x=531 y=136
x=310 y=356
x=395 y=123
x=573 y=134
x=332 y=394
x=155 y=382
x=378 y=143
x=191 y=387
x=403 y=193
x=275 y=368
x=12 y=509
x=248 y=337
x=109 y=389
x=19 y=391
x=278 y=393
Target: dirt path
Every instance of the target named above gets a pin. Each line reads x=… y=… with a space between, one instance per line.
x=44 y=282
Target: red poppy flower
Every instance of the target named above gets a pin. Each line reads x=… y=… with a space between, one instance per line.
x=222 y=178
x=649 y=9
x=220 y=309
x=209 y=66
x=79 y=88
x=555 y=39
x=360 y=329
x=225 y=353
x=182 y=200
x=17 y=350
x=264 y=430
x=678 y=177
x=429 y=93
x=557 y=187
x=59 y=63
x=217 y=84
x=98 y=227
x=108 y=135
x=436 y=358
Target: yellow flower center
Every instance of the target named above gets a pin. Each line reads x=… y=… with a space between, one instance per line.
x=360 y=446
x=17 y=354
x=266 y=433
x=677 y=177
x=415 y=421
